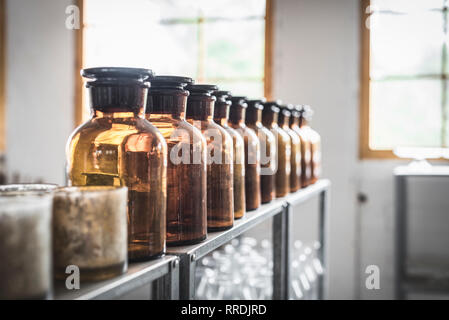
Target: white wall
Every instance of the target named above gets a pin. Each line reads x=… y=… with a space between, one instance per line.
x=316 y=62
x=39 y=88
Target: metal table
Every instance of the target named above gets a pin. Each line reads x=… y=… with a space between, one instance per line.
x=164 y=271
x=403 y=282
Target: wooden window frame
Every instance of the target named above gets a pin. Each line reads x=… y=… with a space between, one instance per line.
x=79 y=58
x=365 y=152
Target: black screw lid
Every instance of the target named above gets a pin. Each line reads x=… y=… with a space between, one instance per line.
x=111 y=74
x=272 y=106
x=201 y=89
x=255 y=104
x=170 y=82
x=239 y=100
x=117 y=89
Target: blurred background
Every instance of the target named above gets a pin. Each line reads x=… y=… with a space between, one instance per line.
x=375 y=72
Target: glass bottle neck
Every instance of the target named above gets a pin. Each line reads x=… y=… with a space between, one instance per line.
x=294 y=121
x=302 y=122
x=221 y=112
x=117 y=101
x=237 y=115
x=200 y=107
x=283 y=120
x=254 y=117
x=270 y=120
x=118 y=114
x=169 y=102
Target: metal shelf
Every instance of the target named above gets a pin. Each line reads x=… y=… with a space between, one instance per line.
x=217 y=239
x=165 y=270
x=174 y=274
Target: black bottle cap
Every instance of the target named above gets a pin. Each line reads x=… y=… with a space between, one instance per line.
x=255 y=104
x=222 y=93
x=201 y=89
x=117 y=89
x=101 y=75
x=239 y=100
x=170 y=82
x=272 y=106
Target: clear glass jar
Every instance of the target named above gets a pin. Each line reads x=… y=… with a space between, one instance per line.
x=118 y=147
x=252 y=152
x=25 y=244
x=90 y=231
x=315 y=144
x=267 y=141
x=270 y=116
x=221 y=115
x=306 y=149
x=187 y=172
x=220 y=172
x=295 y=155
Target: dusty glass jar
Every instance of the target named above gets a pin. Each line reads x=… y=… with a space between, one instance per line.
x=25 y=243
x=221 y=115
x=90 y=231
x=220 y=172
x=187 y=171
x=306 y=150
x=267 y=142
x=270 y=116
x=295 y=155
x=315 y=143
x=252 y=152
x=118 y=147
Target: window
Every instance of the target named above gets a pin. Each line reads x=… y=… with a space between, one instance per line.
x=2 y=75
x=220 y=42
x=404 y=100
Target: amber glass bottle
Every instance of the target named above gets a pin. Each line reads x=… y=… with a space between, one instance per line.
x=295 y=155
x=186 y=175
x=220 y=173
x=252 y=152
x=270 y=120
x=118 y=147
x=267 y=142
x=305 y=145
x=315 y=144
x=221 y=114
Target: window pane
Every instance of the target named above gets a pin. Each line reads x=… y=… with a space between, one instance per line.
x=235 y=49
x=405 y=113
x=406 y=5
x=251 y=89
x=181 y=9
x=409 y=44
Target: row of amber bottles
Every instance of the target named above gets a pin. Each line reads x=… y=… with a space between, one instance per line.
x=193 y=158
